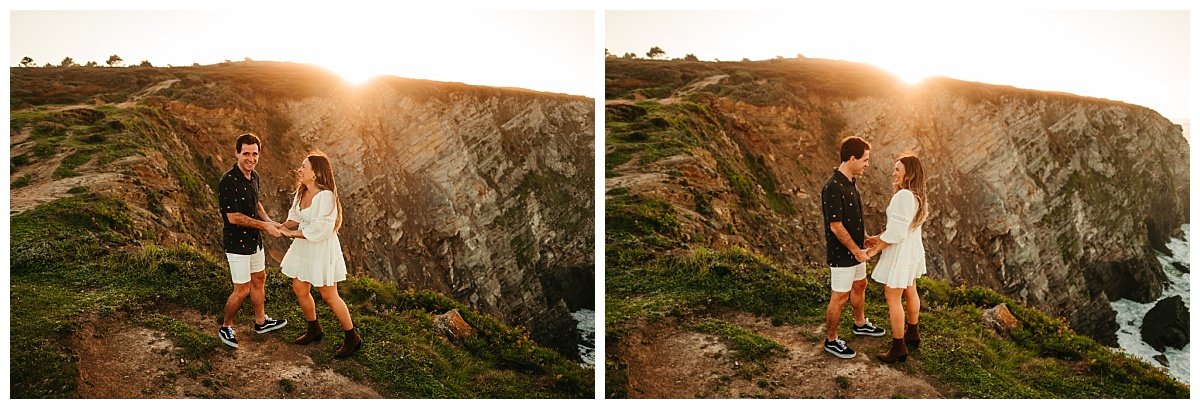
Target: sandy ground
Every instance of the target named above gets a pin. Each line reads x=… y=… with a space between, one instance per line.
x=664 y=361
x=121 y=360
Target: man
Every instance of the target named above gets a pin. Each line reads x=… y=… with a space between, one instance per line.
x=243 y=218
x=844 y=239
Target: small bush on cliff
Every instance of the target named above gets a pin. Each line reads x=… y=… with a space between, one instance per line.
x=67 y=167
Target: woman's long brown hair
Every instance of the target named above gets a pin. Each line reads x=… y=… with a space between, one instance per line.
x=914 y=181
x=323 y=173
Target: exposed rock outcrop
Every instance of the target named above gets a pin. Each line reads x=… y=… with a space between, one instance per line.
x=452 y=326
x=1166 y=325
x=1000 y=320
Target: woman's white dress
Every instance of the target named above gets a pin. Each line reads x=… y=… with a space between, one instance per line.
x=904 y=260
x=317 y=258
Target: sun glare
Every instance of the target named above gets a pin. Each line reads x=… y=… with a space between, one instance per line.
x=910 y=75
x=356 y=75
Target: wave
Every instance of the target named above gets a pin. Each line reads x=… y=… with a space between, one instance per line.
x=1131 y=313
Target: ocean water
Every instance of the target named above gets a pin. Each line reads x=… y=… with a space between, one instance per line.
x=1131 y=313
x=586 y=320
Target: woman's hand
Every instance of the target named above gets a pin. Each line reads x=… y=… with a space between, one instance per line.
x=872 y=241
x=877 y=248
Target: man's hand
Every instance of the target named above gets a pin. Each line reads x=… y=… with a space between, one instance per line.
x=861 y=256
x=272 y=229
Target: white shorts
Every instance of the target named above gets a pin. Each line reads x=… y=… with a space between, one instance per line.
x=241 y=265
x=841 y=278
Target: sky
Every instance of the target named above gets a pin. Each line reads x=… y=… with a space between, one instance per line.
x=540 y=50
x=1140 y=57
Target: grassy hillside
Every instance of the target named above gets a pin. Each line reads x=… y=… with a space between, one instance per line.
x=84 y=85
x=772 y=82
x=78 y=258
x=653 y=272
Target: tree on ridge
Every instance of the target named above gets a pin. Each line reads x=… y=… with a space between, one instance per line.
x=113 y=60
x=655 y=52
x=26 y=62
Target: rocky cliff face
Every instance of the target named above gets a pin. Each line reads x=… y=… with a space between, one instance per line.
x=484 y=194
x=1057 y=200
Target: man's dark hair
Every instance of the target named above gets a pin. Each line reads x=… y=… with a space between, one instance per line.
x=247 y=139
x=853 y=147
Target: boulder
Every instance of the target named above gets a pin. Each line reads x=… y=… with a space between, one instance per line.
x=452 y=326
x=1166 y=325
x=1183 y=268
x=1000 y=320
x=1096 y=319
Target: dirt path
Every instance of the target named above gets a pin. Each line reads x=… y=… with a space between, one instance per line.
x=692 y=87
x=41 y=186
x=46 y=189
x=664 y=361
x=122 y=360
x=675 y=96
x=20 y=137
x=148 y=91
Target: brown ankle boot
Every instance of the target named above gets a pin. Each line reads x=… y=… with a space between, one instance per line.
x=898 y=352
x=912 y=337
x=352 y=343
x=313 y=334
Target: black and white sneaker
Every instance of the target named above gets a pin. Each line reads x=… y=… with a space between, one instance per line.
x=867 y=329
x=839 y=349
x=226 y=335
x=268 y=325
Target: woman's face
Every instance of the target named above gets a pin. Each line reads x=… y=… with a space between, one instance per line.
x=898 y=174
x=306 y=171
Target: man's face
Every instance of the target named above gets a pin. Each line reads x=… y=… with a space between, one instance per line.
x=248 y=157
x=858 y=166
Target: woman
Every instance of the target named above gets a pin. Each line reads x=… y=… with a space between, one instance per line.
x=315 y=257
x=903 y=258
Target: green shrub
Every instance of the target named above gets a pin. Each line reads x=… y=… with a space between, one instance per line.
x=95 y=138
x=19 y=161
x=46 y=129
x=22 y=182
x=44 y=149
x=67 y=167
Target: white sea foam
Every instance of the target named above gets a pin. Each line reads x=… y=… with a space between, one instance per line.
x=586 y=320
x=1131 y=313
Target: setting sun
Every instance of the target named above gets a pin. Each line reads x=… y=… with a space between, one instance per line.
x=354 y=74
x=911 y=75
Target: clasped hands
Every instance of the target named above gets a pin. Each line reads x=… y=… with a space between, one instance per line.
x=276 y=229
x=873 y=246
